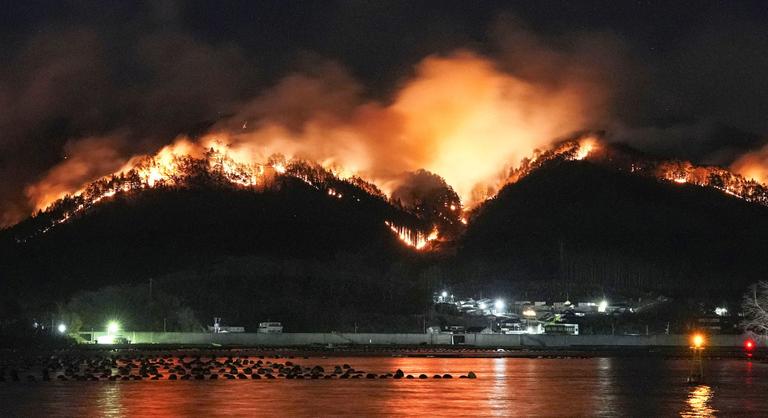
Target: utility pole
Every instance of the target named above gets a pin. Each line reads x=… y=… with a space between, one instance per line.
x=150 y=304
x=560 y=263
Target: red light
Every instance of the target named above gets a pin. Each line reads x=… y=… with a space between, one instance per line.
x=749 y=345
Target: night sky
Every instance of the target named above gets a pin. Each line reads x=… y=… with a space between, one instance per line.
x=687 y=79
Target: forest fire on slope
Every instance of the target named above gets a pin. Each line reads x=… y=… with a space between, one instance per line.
x=683 y=172
x=460 y=116
x=673 y=171
x=590 y=148
x=185 y=163
x=412 y=238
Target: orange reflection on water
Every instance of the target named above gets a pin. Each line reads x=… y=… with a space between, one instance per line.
x=110 y=403
x=699 y=403
x=504 y=387
x=541 y=387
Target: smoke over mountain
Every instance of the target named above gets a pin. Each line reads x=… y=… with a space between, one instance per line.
x=459 y=116
x=89 y=91
x=753 y=165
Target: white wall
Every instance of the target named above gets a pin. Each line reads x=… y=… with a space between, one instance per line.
x=480 y=340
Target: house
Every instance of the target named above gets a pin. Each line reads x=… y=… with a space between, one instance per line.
x=479 y=330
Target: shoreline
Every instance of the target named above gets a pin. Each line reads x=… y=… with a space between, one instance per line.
x=759 y=355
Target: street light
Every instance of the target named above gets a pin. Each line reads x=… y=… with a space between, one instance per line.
x=62 y=328
x=697 y=361
x=603 y=306
x=499 y=305
x=112 y=327
x=698 y=341
x=444 y=294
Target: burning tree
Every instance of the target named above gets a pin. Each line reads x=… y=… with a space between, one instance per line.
x=430 y=198
x=755 y=307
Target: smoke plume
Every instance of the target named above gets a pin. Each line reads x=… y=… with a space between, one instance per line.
x=459 y=116
x=467 y=114
x=753 y=165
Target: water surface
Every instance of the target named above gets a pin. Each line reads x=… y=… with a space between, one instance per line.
x=504 y=387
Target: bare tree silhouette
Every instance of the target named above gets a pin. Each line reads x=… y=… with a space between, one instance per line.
x=755 y=307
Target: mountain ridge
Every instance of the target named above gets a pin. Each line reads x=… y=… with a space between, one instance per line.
x=569 y=227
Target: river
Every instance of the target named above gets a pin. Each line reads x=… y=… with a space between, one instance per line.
x=613 y=386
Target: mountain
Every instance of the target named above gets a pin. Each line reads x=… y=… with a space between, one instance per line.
x=222 y=248
x=580 y=226
x=290 y=241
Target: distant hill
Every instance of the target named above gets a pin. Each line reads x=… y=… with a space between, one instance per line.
x=576 y=225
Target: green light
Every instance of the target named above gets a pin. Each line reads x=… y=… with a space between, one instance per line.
x=112 y=327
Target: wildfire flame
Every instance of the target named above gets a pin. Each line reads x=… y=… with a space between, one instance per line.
x=171 y=166
x=411 y=238
x=585 y=148
x=460 y=117
x=753 y=165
